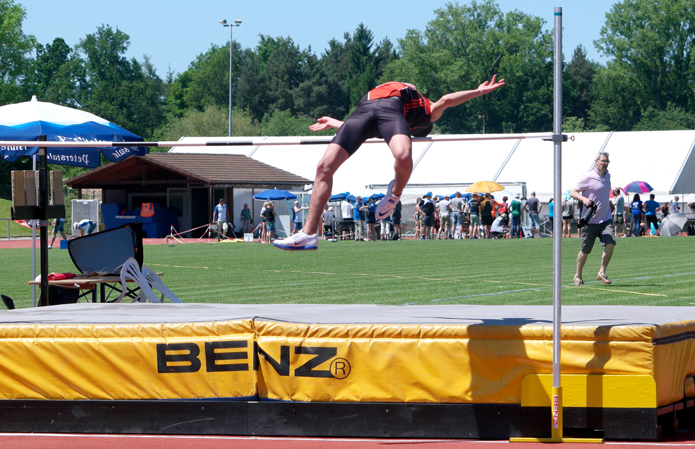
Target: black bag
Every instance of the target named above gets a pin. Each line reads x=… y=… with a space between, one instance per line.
x=62 y=295
x=586 y=215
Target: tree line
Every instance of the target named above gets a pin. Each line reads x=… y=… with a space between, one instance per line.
x=279 y=88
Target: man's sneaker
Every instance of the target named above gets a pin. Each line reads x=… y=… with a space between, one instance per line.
x=298 y=242
x=387 y=203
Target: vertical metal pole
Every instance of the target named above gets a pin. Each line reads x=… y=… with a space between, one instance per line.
x=43 y=222
x=557 y=227
x=231 y=27
x=33 y=244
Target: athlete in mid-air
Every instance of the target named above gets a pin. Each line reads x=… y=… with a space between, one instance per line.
x=393 y=111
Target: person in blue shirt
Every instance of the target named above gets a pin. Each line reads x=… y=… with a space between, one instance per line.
x=636 y=214
x=58 y=226
x=220 y=215
x=651 y=207
x=371 y=220
x=358 y=218
x=550 y=215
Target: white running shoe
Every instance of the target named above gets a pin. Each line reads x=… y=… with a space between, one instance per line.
x=387 y=203
x=298 y=242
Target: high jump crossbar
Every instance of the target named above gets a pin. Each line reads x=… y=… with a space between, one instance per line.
x=106 y=144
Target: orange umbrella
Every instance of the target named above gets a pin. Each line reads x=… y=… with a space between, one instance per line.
x=485 y=187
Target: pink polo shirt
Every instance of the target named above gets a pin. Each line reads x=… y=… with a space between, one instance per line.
x=597 y=189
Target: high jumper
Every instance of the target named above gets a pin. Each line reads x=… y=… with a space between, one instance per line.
x=393 y=111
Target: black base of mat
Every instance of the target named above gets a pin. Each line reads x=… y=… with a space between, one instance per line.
x=316 y=419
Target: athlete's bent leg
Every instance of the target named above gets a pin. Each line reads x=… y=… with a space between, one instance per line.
x=402 y=149
x=332 y=159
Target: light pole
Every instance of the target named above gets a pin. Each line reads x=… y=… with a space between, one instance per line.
x=231 y=26
x=483 y=117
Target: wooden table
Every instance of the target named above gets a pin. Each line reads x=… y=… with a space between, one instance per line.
x=90 y=283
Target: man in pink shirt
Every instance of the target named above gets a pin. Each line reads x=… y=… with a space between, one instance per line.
x=596 y=186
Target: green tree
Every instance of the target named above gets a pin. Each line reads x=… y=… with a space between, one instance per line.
x=213 y=120
x=58 y=74
x=465 y=45
x=653 y=61
x=15 y=51
x=118 y=89
x=615 y=104
x=362 y=64
x=670 y=118
x=283 y=123
x=578 y=85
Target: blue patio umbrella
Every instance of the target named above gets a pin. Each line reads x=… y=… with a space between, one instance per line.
x=377 y=196
x=31 y=119
x=34 y=120
x=345 y=196
x=274 y=195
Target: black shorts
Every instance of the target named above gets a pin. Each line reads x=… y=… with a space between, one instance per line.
x=382 y=117
x=651 y=219
x=487 y=220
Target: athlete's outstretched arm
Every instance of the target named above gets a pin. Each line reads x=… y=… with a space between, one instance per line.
x=457 y=98
x=326 y=123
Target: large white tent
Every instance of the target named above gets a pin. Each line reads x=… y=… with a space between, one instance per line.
x=665 y=159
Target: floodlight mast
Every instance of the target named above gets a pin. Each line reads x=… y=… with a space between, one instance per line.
x=231 y=26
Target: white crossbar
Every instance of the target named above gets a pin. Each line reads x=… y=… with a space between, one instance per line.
x=316 y=141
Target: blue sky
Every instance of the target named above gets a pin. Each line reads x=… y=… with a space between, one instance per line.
x=174 y=32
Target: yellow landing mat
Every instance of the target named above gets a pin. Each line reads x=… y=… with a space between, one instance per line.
x=356 y=353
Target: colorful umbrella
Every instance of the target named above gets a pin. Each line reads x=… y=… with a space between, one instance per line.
x=31 y=119
x=638 y=187
x=485 y=187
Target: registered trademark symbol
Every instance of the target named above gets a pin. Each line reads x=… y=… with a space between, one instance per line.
x=340 y=368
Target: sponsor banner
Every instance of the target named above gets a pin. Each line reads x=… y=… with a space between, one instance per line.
x=143 y=361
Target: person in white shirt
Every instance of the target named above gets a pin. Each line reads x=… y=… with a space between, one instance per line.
x=346 y=212
x=444 y=209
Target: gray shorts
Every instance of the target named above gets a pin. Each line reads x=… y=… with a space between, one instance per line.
x=605 y=232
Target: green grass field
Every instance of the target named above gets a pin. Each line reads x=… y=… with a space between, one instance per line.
x=646 y=271
x=16 y=230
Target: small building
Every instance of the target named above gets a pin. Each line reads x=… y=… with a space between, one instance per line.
x=192 y=184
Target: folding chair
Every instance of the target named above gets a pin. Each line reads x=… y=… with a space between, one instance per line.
x=131 y=270
x=156 y=282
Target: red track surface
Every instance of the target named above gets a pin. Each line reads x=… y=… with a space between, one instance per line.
x=60 y=441
x=26 y=242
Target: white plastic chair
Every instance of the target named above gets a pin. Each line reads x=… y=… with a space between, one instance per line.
x=131 y=270
x=156 y=282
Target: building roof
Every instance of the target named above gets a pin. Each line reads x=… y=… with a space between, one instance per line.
x=208 y=169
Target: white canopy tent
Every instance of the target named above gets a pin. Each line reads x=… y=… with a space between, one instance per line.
x=665 y=159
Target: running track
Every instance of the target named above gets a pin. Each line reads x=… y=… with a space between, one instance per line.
x=70 y=441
